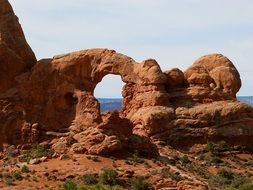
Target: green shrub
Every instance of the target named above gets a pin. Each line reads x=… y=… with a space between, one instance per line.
x=210 y=146
x=188 y=104
x=246 y=186
x=136 y=159
x=17 y=175
x=37 y=151
x=223 y=179
x=217 y=148
x=93 y=158
x=9 y=180
x=226 y=174
x=184 y=159
x=89 y=179
x=25 y=169
x=109 y=176
x=102 y=187
x=70 y=185
x=139 y=183
x=240 y=183
x=176 y=177
x=216 y=160
x=230 y=188
x=165 y=173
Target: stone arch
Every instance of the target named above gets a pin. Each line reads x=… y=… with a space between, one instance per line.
x=87 y=68
x=71 y=79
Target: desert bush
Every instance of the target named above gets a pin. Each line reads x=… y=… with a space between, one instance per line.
x=70 y=185
x=166 y=173
x=188 y=103
x=176 y=177
x=8 y=179
x=226 y=174
x=25 y=169
x=101 y=187
x=17 y=175
x=139 y=183
x=128 y=162
x=217 y=148
x=93 y=158
x=154 y=172
x=199 y=170
x=240 y=183
x=109 y=176
x=89 y=179
x=245 y=186
x=136 y=159
x=227 y=180
x=184 y=159
x=224 y=178
x=37 y=151
x=215 y=160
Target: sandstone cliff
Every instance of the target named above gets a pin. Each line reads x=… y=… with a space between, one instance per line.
x=16 y=57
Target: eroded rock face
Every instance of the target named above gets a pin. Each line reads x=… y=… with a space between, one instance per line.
x=65 y=84
x=187 y=185
x=216 y=71
x=56 y=96
x=16 y=56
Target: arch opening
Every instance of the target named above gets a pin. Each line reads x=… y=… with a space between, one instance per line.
x=108 y=93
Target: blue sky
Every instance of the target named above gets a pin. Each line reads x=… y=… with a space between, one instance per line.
x=175 y=33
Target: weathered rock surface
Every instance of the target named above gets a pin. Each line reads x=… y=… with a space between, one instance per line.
x=187 y=185
x=55 y=96
x=216 y=71
x=221 y=120
x=16 y=56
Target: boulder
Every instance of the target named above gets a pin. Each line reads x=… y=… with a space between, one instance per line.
x=175 y=78
x=219 y=68
x=96 y=142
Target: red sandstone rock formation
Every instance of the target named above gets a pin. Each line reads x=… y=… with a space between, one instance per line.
x=215 y=71
x=55 y=97
x=16 y=56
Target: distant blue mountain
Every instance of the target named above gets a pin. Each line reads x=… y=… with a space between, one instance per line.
x=246 y=99
x=110 y=104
